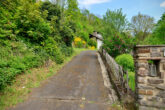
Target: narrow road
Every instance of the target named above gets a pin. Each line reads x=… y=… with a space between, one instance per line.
x=78 y=86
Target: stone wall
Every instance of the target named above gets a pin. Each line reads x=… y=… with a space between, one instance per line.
x=150 y=77
x=116 y=74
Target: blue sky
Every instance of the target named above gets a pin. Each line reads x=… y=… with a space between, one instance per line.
x=154 y=8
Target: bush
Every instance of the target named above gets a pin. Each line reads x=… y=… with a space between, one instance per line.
x=16 y=65
x=92 y=42
x=67 y=51
x=16 y=58
x=126 y=61
x=53 y=50
x=117 y=45
x=79 y=43
x=30 y=24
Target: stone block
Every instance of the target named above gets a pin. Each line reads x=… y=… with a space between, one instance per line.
x=141 y=80
x=140 y=96
x=145 y=92
x=149 y=92
x=163 y=66
x=162 y=75
x=155 y=81
x=144 y=103
x=143 y=55
x=163 y=100
x=142 y=72
x=161 y=94
x=152 y=104
x=154 y=99
x=155 y=54
x=147 y=108
x=142 y=65
x=155 y=50
x=143 y=51
x=142 y=92
x=160 y=87
x=145 y=87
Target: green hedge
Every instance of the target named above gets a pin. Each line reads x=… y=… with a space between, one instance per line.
x=126 y=61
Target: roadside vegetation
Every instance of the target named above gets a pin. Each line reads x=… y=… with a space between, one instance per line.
x=34 y=32
x=22 y=85
x=127 y=62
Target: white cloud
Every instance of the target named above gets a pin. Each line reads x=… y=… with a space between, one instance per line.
x=92 y=2
x=162 y=4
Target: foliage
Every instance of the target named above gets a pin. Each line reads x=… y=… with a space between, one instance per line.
x=79 y=43
x=158 y=35
x=54 y=52
x=126 y=61
x=52 y=10
x=92 y=42
x=67 y=51
x=131 y=81
x=15 y=59
x=115 y=20
x=142 y=26
x=117 y=45
x=117 y=40
x=32 y=32
x=30 y=25
x=19 y=90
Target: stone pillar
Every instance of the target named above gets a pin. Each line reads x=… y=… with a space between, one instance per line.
x=150 y=77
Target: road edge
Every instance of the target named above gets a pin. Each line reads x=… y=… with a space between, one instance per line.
x=112 y=94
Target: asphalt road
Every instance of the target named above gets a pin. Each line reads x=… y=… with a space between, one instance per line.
x=78 y=85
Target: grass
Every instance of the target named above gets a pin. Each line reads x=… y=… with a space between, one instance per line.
x=131 y=82
x=23 y=84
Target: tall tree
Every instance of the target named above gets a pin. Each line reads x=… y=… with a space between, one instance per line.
x=159 y=31
x=142 y=25
x=116 y=19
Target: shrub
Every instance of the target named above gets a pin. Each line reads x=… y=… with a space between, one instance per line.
x=67 y=51
x=92 y=42
x=16 y=58
x=117 y=45
x=53 y=50
x=79 y=42
x=126 y=61
x=30 y=24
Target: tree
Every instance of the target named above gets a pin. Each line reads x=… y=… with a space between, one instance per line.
x=142 y=25
x=53 y=10
x=159 y=32
x=116 y=19
x=30 y=24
